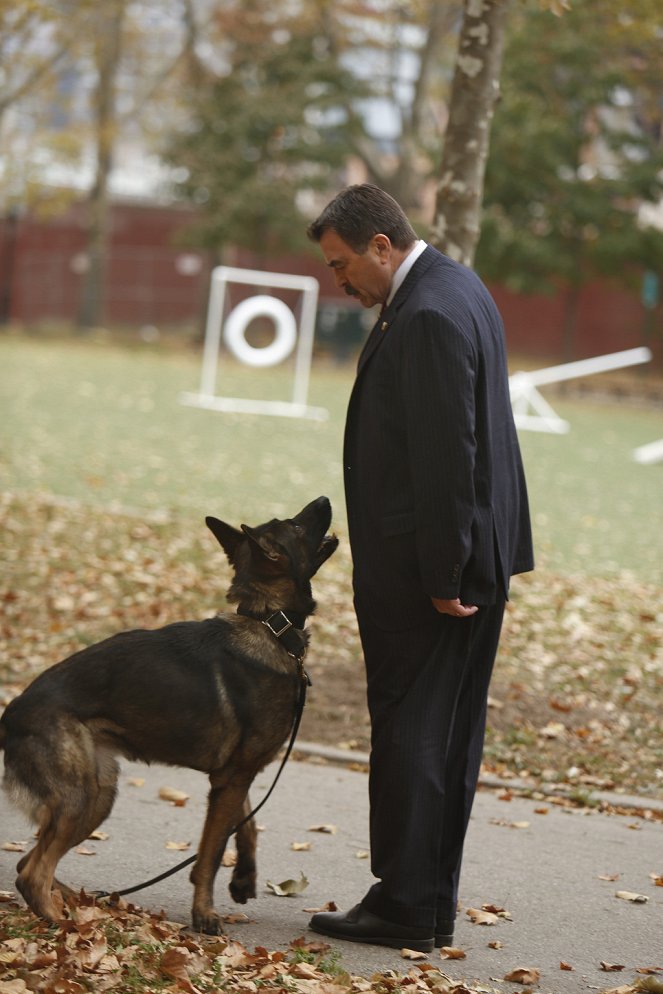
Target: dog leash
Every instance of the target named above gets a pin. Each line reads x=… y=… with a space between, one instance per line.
x=285 y=633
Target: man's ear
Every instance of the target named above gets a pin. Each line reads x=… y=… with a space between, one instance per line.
x=383 y=246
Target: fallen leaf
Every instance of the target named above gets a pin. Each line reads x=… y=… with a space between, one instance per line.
x=610 y=877
x=178 y=846
x=6 y=895
x=327 y=829
x=649 y=970
x=316 y=946
x=14 y=846
x=481 y=917
x=509 y=824
x=362 y=854
x=524 y=975
x=495 y=909
x=413 y=954
x=288 y=888
x=237 y=918
x=657 y=878
x=541 y=811
x=566 y=966
x=229 y=858
x=179 y=963
x=306 y=971
x=496 y=944
x=553 y=730
x=652 y=985
x=136 y=781
x=329 y=906
x=82 y=851
x=628 y=895
x=611 y=967
x=451 y=952
x=177 y=797
x=99 y=836
x=300 y=846
x=14 y=987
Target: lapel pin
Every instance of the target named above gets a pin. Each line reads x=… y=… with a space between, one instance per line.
x=383 y=326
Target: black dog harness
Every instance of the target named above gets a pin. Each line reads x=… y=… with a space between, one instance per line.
x=289 y=630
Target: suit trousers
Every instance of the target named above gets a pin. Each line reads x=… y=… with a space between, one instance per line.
x=427 y=692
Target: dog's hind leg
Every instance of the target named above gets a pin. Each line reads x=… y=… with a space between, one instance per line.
x=65 y=820
x=36 y=874
x=243 y=881
x=225 y=804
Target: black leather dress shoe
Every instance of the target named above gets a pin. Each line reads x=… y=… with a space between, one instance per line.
x=359 y=925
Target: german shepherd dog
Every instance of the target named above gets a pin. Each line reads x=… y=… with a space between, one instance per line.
x=217 y=695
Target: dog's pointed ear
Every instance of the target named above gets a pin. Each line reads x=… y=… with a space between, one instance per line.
x=262 y=545
x=227 y=536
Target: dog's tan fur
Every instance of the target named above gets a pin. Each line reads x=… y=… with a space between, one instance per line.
x=216 y=695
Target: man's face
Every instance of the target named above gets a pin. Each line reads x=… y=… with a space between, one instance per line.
x=366 y=276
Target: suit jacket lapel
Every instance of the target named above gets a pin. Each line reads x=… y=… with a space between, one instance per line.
x=389 y=315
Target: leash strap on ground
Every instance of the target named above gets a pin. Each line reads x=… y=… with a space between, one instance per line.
x=304 y=683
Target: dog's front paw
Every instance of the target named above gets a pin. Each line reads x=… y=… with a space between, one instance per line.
x=207 y=921
x=242 y=887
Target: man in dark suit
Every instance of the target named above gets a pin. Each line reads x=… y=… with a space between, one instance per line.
x=439 y=522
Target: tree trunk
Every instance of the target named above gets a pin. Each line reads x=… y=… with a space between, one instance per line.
x=474 y=91
x=108 y=44
x=405 y=184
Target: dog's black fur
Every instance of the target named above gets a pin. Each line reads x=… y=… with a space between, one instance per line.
x=217 y=695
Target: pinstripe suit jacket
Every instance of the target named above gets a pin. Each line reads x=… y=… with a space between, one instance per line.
x=435 y=490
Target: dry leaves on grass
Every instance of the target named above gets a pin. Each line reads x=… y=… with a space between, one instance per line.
x=119 y=947
x=582 y=661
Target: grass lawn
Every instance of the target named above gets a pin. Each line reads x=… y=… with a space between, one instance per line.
x=92 y=429
x=104 y=425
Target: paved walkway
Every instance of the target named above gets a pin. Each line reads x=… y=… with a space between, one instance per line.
x=546 y=873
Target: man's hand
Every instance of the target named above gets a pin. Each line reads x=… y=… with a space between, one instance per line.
x=454 y=608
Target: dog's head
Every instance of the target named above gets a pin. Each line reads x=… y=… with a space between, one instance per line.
x=295 y=547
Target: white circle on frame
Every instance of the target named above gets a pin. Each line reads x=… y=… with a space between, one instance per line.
x=261 y=305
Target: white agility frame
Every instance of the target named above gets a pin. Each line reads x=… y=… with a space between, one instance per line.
x=532 y=412
x=207 y=396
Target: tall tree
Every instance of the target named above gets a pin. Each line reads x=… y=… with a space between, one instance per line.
x=577 y=149
x=38 y=40
x=107 y=52
x=474 y=90
x=404 y=54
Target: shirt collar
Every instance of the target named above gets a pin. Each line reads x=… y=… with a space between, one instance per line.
x=404 y=268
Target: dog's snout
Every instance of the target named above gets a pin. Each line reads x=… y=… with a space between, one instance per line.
x=318 y=511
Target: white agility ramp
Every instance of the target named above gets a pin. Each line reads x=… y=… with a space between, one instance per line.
x=650 y=453
x=532 y=411
x=290 y=335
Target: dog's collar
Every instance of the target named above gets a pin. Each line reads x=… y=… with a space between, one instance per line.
x=288 y=629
